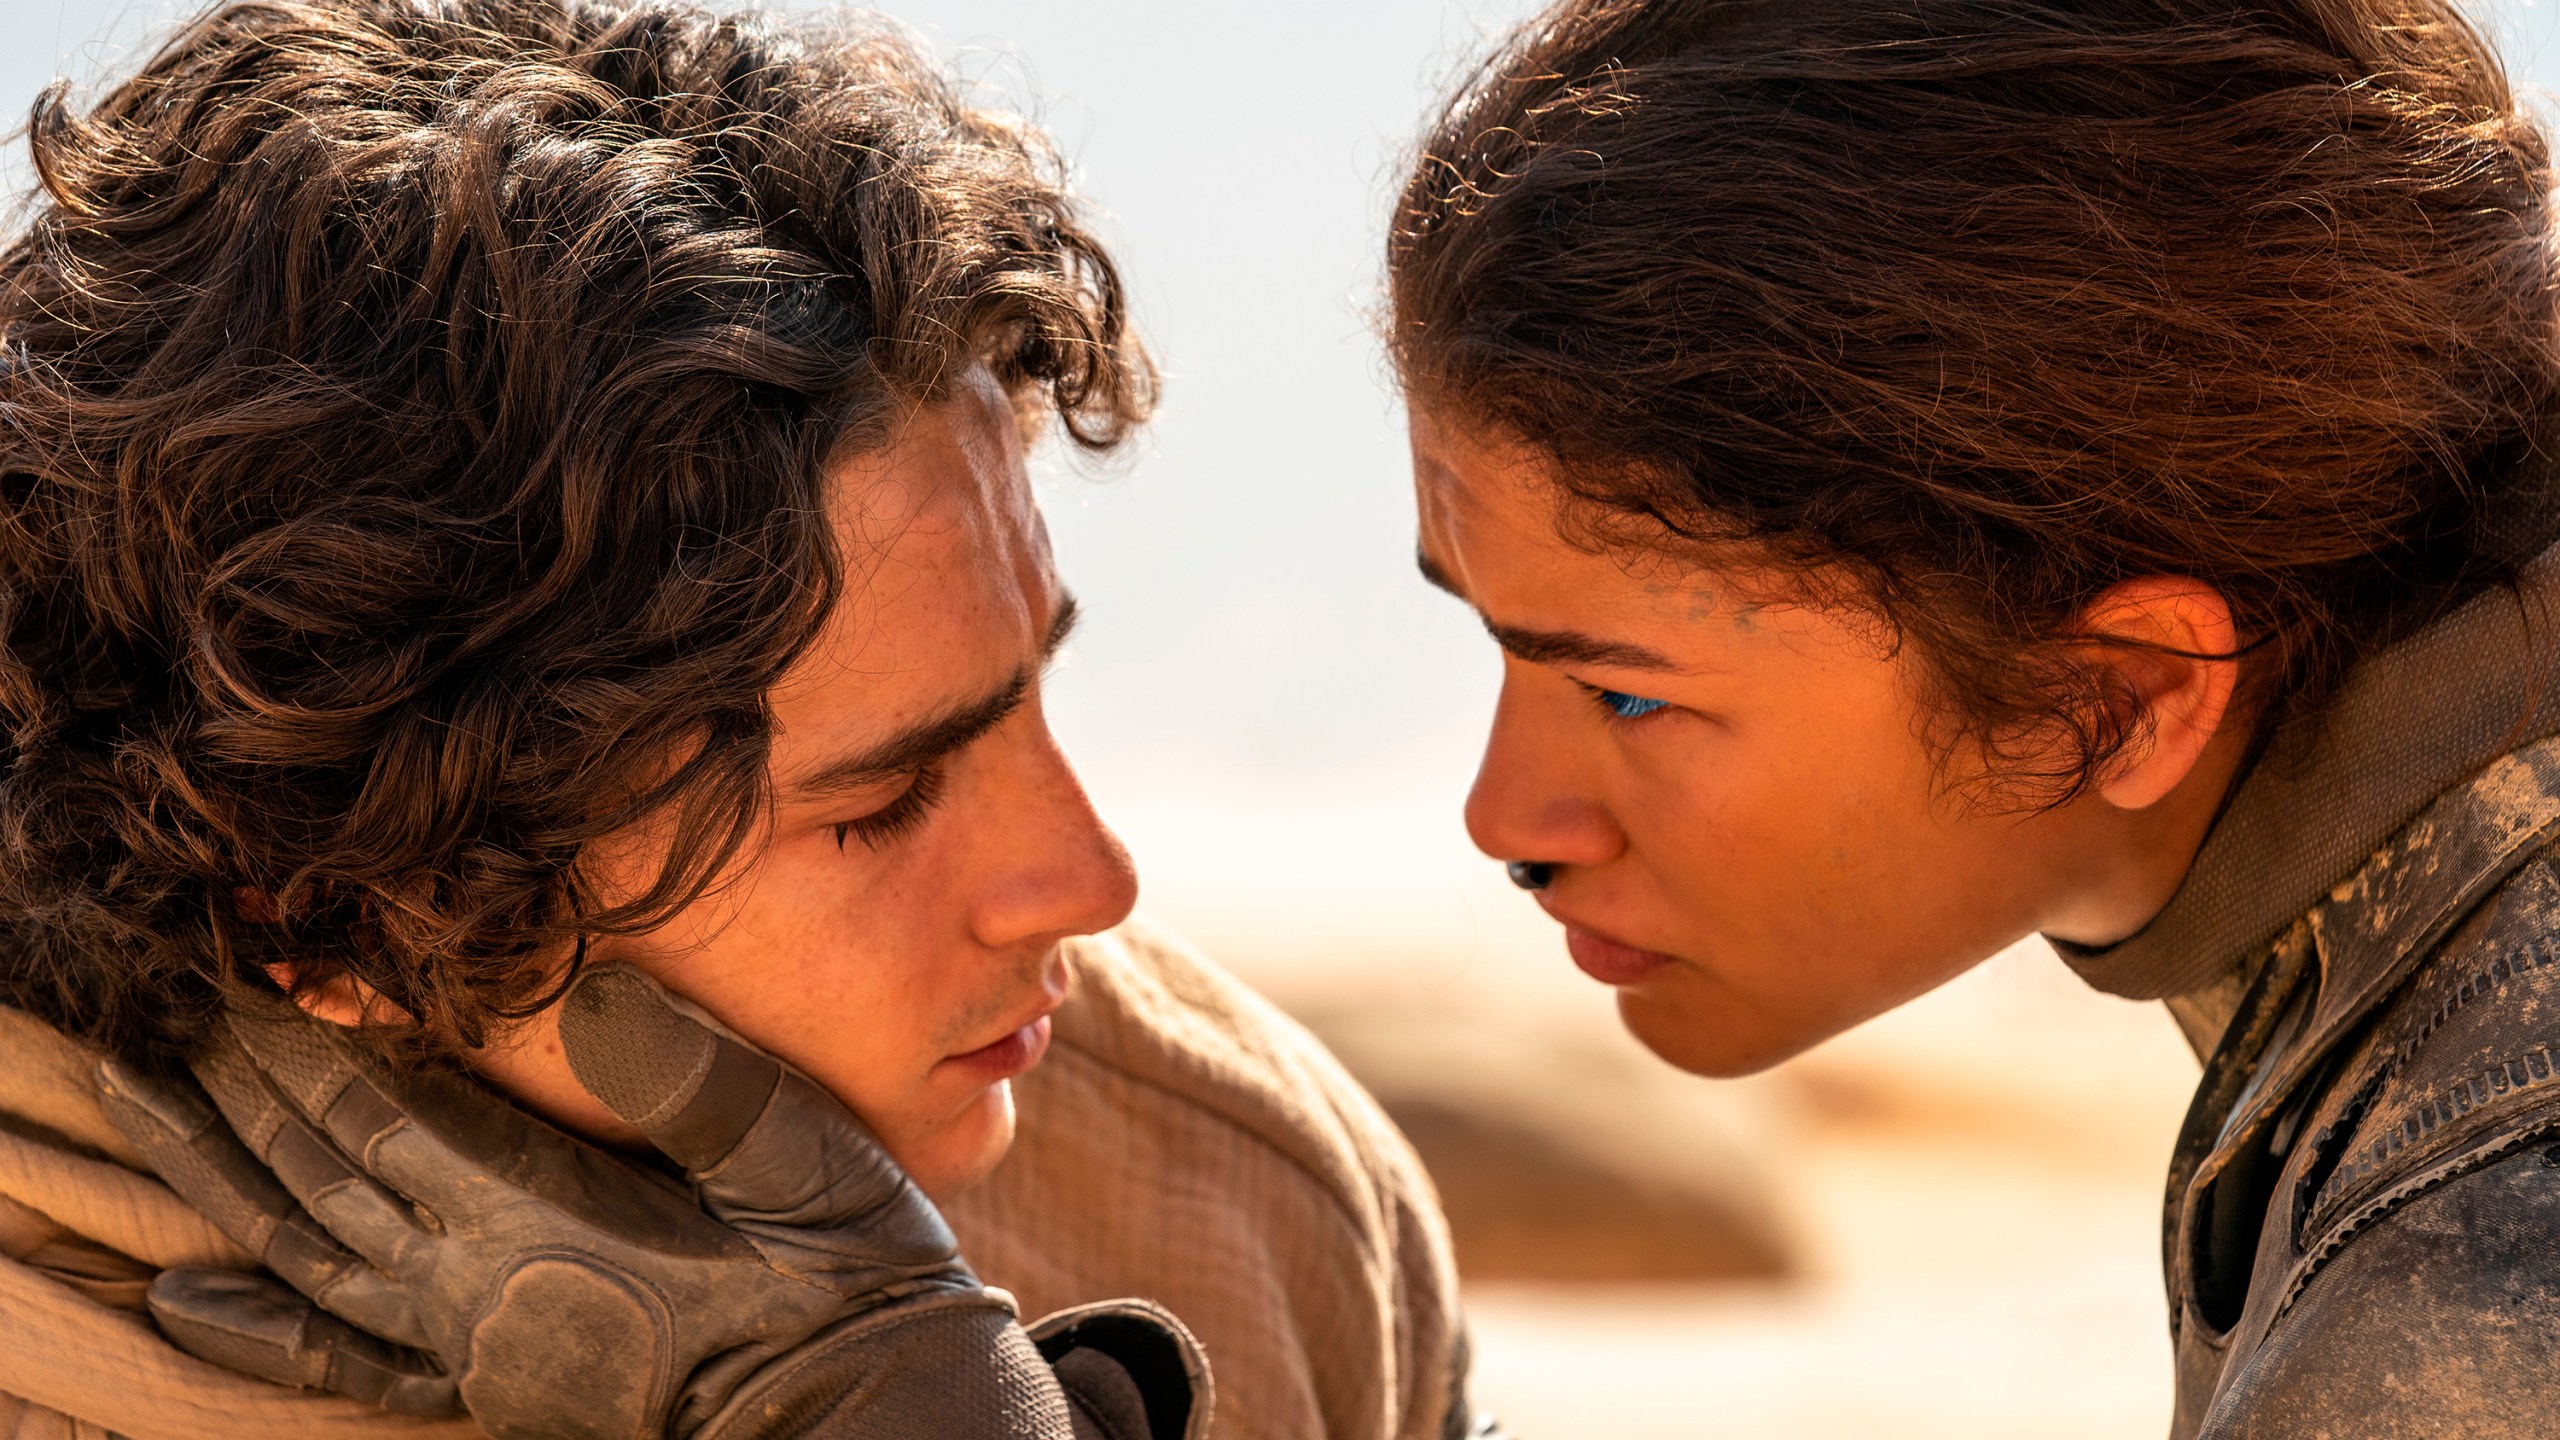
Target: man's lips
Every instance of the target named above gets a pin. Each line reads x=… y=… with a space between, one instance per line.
x=1016 y=1053
x=1611 y=962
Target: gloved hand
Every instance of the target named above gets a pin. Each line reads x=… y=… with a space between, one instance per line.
x=465 y=1255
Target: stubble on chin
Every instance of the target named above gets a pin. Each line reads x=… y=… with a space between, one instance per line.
x=961 y=1153
x=969 y=1027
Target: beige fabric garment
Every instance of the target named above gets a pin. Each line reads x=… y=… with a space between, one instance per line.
x=1183 y=1141
x=81 y=1232
x=1187 y=1142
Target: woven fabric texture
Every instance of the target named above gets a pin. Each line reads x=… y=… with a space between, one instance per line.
x=1184 y=1142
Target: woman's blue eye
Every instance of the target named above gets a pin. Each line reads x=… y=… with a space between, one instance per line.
x=1628 y=707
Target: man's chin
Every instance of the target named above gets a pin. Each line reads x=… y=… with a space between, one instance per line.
x=952 y=1157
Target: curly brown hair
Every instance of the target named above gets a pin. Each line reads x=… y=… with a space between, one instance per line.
x=412 y=424
x=1988 y=305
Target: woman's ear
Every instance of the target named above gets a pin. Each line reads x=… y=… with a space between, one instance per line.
x=2173 y=650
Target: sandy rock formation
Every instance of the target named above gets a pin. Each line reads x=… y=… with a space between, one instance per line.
x=1570 y=1156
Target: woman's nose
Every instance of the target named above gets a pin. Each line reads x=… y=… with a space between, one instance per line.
x=1531 y=800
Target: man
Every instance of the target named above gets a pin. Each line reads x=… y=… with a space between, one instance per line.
x=516 y=511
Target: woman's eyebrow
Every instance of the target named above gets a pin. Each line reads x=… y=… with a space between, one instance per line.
x=1550 y=647
x=945 y=732
x=1572 y=647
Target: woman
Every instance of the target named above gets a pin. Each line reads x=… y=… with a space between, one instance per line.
x=1939 y=473
x=506 y=505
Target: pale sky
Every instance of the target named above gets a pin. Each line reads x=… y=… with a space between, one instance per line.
x=1275 y=710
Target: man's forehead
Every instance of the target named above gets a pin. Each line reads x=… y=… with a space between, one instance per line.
x=932 y=619
x=936 y=485
x=948 y=594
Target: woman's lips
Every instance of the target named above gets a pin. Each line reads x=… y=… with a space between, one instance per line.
x=1609 y=961
x=1007 y=1057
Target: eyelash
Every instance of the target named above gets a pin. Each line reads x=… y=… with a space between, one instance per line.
x=898 y=817
x=1622 y=705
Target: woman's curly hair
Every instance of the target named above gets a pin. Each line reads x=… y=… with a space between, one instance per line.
x=1988 y=305
x=413 y=418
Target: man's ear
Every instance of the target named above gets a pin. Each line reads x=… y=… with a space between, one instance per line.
x=341 y=1000
x=2173 y=649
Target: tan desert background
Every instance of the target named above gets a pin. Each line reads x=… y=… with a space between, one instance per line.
x=1944 y=1224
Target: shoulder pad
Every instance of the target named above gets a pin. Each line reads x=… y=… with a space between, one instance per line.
x=2436 y=1322
x=2457 y=1068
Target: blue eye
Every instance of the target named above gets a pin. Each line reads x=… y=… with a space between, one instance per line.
x=1629 y=707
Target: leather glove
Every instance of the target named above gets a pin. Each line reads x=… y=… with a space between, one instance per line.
x=465 y=1255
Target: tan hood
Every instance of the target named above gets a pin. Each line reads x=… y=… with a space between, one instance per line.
x=82 y=1230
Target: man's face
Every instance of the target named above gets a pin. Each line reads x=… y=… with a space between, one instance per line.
x=898 y=937
x=1753 y=836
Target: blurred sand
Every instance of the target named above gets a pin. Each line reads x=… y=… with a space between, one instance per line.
x=1975 y=1182
x=1970 y=1188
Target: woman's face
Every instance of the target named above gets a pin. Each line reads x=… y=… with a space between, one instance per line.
x=1752 y=834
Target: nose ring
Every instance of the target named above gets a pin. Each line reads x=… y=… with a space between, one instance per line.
x=1531 y=874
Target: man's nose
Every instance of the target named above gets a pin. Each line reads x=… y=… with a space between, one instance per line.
x=1059 y=870
x=1532 y=798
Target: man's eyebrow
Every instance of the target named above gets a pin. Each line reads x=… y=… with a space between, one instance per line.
x=1551 y=647
x=946 y=732
x=1061 y=625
